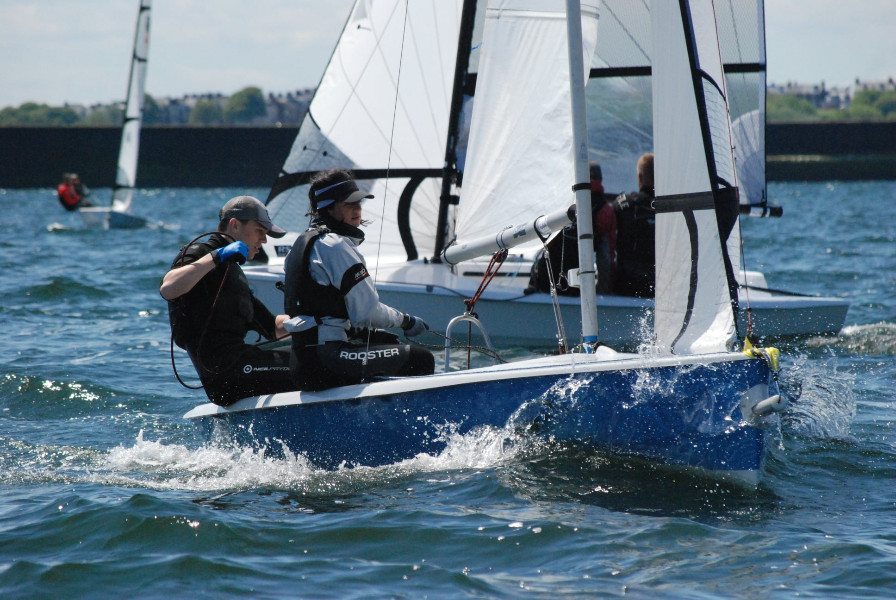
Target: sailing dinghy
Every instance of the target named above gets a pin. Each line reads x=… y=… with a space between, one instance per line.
x=413 y=158
x=690 y=401
x=118 y=214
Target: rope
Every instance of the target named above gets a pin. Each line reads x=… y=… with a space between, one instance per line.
x=469 y=347
x=496 y=262
x=388 y=169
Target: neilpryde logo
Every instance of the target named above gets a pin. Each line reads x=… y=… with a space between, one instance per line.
x=249 y=369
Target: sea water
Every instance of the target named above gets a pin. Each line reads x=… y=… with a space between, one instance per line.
x=107 y=492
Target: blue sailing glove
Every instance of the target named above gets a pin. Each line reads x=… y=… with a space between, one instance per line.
x=413 y=326
x=236 y=252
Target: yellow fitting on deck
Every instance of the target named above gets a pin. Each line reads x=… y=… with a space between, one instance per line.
x=769 y=355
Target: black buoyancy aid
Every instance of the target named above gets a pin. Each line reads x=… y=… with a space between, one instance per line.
x=635 y=225
x=635 y=244
x=303 y=295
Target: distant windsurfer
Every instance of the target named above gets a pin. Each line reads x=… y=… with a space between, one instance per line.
x=72 y=193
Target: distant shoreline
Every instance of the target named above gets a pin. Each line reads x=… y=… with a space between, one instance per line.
x=184 y=156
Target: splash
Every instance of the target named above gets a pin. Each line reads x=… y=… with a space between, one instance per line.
x=823 y=405
x=647 y=347
x=158 y=465
x=551 y=407
x=483 y=447
x=226 y=468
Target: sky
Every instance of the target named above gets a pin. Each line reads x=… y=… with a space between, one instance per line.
x=78 y=51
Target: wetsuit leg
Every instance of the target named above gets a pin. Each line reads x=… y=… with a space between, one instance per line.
x=256 y=372
x=343 y=363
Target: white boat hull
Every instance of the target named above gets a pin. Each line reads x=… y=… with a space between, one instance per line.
x=104 y=217
x=437 y=293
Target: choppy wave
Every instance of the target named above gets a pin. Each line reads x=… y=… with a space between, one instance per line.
x=64 y=287
x=873 y=339
x=165 y=465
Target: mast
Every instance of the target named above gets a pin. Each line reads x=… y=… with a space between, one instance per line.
x=449 y=170
x=126 y=172
x=582 y=186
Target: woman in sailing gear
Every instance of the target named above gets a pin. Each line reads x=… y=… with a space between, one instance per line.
x=335 y=311
x=636 y=235
x=211 y=308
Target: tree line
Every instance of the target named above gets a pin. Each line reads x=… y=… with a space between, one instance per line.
x=867 y=105
x=248 y=106
x=244 y=107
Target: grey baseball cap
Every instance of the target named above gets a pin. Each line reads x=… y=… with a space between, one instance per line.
x=249 y=208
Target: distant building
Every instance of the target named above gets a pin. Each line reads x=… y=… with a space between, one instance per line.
x=835 y=97
x=174 y=111
x=878 y=86
x=289 y=108
x=817 y=94
x=78 y=109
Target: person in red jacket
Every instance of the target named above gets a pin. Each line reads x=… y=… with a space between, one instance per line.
x=71 y=192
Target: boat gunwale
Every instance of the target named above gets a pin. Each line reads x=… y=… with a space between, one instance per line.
x=574 y=364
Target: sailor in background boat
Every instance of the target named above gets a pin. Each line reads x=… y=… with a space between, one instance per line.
x=335 y=311
x=72 y=193
x=562 y=251
x=211 y=307
x=636 y=235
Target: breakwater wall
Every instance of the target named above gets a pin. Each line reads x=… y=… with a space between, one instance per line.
x=33 y=157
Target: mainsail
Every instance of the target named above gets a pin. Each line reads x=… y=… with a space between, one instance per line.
x=520 y=156
x=126 y=173
x=696 y=190
x=382 y=110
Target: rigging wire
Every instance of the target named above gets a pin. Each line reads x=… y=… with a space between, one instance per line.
x=379 y=244
x=562 y=340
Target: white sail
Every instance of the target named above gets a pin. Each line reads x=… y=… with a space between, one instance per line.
x=749 y=154
x=126 y=173
x=621 y=130
x=694 y=173
x=605 y=405
x=519 y=161
x=382 y=108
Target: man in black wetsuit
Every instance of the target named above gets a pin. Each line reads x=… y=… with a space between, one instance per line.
x=636 y=236
x=211 y=308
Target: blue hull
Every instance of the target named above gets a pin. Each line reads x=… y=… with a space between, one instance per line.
x=687 y=415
